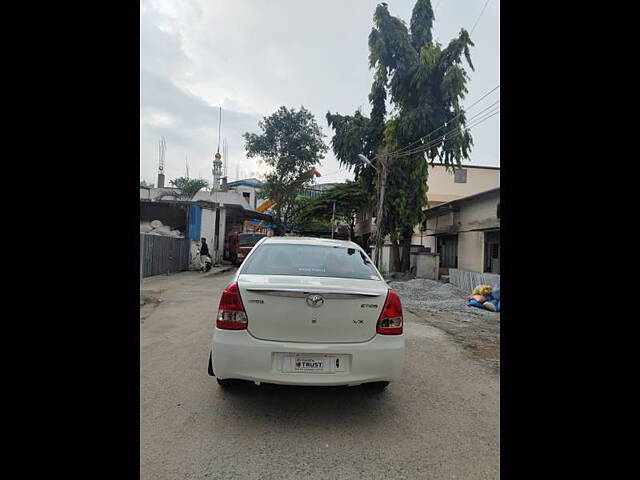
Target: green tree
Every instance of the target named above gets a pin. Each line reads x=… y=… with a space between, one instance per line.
x=425 y=84
x=144 y=184
x=349 y=198
x=291 y=144
x=185 y=188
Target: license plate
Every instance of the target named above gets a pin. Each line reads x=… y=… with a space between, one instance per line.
x=308 y=364
x=313 y=363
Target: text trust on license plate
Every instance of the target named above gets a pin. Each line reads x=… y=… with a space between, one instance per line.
x=310 y=363
x=314 y=363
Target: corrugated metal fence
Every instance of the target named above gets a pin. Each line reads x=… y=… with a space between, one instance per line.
x=163 y=255
x=467 y=281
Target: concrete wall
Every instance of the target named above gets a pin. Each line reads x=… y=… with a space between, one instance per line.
x=471 y=251
x=385 y=258
x=474 y=218
x=222 y=234
x=479 y=213
x=442 y=187
x=424 y=240
x=208 y=227
x=427 y=265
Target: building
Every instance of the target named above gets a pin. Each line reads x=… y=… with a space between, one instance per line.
x=447 y=186
x=466 y=232
x=314 y=191
x=249 y=189
x=215 y=214
x=444 y=187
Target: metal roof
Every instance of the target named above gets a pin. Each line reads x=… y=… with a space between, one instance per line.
x=245 y=183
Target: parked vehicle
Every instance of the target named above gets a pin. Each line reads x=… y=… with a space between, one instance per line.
x=308 y=311
x=240 y=244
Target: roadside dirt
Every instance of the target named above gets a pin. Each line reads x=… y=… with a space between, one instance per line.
x=480 y=337
x=149 y=300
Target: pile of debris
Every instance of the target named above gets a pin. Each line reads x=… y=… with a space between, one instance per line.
x=157 y=228
x=435 y=297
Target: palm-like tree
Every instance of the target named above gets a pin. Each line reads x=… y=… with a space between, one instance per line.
x=185 y=188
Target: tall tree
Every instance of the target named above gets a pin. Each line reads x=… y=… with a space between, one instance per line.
x=291 y=144
x=425 y=84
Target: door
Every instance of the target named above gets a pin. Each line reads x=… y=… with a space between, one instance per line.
x=492 y=252
x=448 y=250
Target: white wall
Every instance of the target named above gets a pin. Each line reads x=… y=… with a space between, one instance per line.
x=471 y=251
x=208 y=226
x=207 y=230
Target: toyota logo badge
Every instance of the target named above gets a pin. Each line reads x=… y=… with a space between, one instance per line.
x=315 y=300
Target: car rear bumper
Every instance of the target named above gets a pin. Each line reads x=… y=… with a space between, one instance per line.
x=236 y=354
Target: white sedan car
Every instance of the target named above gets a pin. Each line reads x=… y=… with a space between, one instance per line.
x=308 y=311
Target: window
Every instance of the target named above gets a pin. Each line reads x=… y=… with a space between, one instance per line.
x=247 y=196
x=249 y=239
x=310 y=261
x=460 y=176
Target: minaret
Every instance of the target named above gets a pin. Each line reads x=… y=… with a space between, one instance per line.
x=217 y=171
x=162 y=144
x=217 y=162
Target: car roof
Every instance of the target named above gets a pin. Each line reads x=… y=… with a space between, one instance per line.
x=327 y=242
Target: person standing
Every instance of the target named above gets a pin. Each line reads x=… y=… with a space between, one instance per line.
x=204 y=255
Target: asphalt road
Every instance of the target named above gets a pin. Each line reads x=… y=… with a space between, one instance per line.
x=440 y=421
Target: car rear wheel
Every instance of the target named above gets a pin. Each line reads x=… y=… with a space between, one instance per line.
x=211 y=366
x=226 y=383
x=376 y=386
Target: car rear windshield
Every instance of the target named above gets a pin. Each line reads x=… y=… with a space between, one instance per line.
x=310 y=261
x=249 y=240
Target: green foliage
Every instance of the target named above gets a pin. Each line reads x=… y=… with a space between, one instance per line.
x=421 y=22
x=189 y=186
x=186 y=188
x=291 y=143
x=349 y=198
x=144 y=184
x=425 y=84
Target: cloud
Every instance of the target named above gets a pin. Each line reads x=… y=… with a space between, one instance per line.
x=253 y=56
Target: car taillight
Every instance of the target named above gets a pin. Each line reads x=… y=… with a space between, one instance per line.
x=231 y=313
x=390 y=321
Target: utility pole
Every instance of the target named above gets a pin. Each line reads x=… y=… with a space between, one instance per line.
x=333 y=218
x=383 y=184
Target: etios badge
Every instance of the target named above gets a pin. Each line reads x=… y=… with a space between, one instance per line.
x=315 y=300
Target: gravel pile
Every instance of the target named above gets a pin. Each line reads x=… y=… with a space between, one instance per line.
x=436 y=297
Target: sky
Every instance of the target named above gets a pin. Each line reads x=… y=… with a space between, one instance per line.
x=252 y=56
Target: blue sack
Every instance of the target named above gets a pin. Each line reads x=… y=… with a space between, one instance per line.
x=495 y=293
x=496 y=303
